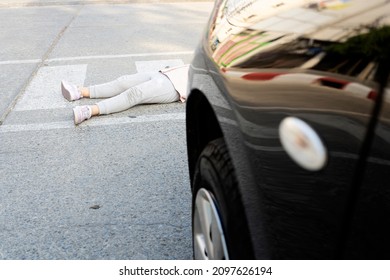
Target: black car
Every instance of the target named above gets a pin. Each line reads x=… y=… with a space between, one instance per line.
x=288 y=131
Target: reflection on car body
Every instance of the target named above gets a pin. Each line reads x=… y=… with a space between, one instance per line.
x=322 y=64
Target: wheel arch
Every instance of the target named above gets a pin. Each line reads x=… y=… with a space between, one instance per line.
x=202 y=126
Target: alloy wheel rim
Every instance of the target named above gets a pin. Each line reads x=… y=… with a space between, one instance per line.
x=208 y=236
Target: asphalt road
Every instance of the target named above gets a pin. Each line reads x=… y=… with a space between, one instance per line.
x=114 y=187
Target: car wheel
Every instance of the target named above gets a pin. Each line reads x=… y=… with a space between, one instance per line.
x=219 y=228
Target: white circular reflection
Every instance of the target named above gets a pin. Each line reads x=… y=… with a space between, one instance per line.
x=302 y=144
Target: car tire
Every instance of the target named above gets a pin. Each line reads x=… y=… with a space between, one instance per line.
x=219 y=227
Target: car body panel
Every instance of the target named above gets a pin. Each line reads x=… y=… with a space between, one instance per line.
x=262 y=61
x=370 y=207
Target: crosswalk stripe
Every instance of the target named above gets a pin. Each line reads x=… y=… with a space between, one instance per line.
x=156 y=65
x=104 y=121
x=44 y=93
x=44 y=90
x=92 y=57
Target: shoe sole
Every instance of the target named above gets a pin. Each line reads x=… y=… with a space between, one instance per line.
x=77 y=115
x=65 y=92
x=76 y=121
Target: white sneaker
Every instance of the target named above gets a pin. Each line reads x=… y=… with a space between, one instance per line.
x=69 y=91
x=81 y=113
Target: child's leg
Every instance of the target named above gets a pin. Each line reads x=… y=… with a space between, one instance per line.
x=158 y=89
x=117 y=86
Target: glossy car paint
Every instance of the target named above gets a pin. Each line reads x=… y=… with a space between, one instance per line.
x=262 y=61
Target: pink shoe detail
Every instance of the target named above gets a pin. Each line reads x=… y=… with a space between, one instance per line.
x=69 y=91
x=81 y=113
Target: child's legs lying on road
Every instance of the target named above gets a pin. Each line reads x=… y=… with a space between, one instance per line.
x=119 y=85
x=157 y=90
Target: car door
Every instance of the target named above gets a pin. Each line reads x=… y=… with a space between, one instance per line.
x=366 y=228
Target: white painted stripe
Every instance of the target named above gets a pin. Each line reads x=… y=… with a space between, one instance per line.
x=44 y=91
x=27 y=61
x=130 y=120
x=156 y=65
x=94 y=122
x=59 y=59
x=34 y=126
x=119 y=56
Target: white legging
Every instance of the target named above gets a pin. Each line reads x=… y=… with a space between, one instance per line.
x=130 y=90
